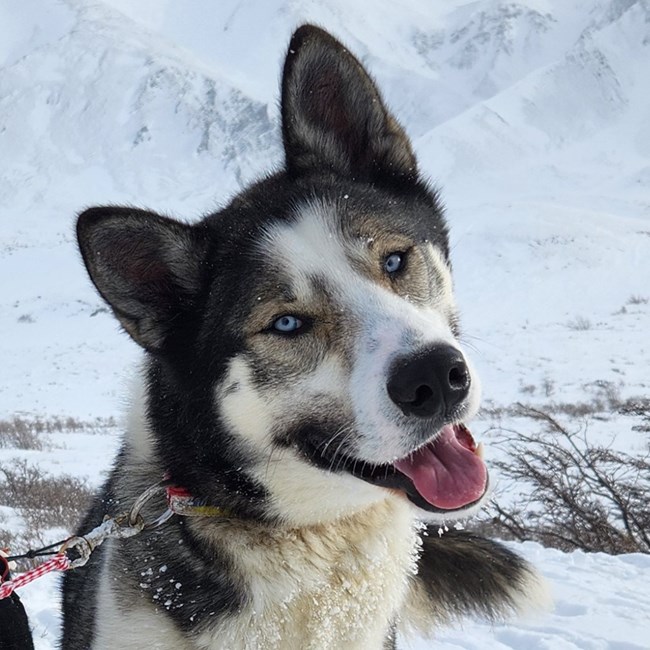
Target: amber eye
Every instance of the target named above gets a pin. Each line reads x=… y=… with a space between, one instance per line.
x=393 y=262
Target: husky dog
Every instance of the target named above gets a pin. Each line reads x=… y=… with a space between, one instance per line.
x=304 y=378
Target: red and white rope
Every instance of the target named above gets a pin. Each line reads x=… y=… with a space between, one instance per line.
x=57 y=563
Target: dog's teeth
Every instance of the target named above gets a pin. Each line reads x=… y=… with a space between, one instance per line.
x=480 y=451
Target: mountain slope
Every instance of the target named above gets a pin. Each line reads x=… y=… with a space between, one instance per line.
x=532 y=116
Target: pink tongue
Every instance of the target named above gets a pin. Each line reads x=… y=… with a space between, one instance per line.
x=445 y=473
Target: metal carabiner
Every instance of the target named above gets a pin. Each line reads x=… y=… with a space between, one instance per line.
x=82 y=546
x=134 y=517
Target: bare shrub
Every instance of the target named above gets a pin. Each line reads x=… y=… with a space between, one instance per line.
x=42 y=501
x=580 y=496
x=20 y=541
x=607 y=392
x=46 y=501
x=573 y=409
x=607 y=399
x=548 y=386
x=639 y=407
x=528 y=389
x=637 y=300
x=22 y=432
x=579 y=323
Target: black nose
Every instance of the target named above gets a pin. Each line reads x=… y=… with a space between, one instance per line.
x=429 y=383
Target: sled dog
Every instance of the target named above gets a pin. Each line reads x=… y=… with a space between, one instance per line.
x=305 y=383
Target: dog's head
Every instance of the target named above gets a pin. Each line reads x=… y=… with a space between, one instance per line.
x=304 y=341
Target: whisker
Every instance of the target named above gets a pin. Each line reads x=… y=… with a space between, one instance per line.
x=273 y=448
x=329 y=441
x=345 y=439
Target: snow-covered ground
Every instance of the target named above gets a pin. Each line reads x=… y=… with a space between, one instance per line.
x=532 y=116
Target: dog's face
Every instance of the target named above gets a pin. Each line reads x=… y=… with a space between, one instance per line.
x=309 y=329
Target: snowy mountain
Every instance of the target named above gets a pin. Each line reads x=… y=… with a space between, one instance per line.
x=532 y=116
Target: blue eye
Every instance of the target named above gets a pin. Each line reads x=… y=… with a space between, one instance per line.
x=393 y=262
x=287 y=324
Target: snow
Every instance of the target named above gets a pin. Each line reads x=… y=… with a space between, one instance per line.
x=531 y=116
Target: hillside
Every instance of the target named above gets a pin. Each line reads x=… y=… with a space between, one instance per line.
x=530 y=116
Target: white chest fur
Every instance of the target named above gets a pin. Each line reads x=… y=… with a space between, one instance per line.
x=332 y=586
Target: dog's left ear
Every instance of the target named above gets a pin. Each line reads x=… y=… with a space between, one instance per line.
x=333 y=115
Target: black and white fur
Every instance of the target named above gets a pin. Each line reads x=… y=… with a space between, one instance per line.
x=270 y=329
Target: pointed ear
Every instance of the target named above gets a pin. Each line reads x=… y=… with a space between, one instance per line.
x=147 y=267
x=333 y=115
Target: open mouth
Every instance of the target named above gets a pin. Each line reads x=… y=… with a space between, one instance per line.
x=444 y=475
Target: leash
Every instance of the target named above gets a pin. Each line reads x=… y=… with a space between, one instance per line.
x=60 y=563
x=130 y=523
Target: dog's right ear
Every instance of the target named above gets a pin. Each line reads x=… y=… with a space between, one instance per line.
x=147 y=267
x=333 y=116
